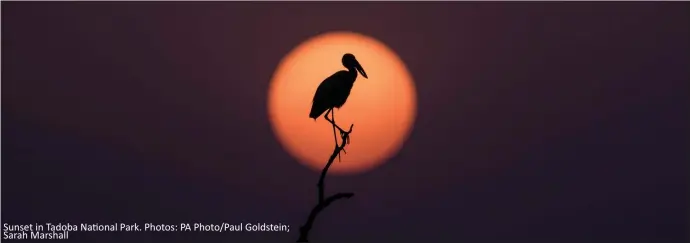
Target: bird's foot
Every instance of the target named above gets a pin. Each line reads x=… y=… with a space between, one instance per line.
x=345 y=136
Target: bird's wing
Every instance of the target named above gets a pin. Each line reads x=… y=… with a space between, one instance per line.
x=324 y=94
x=327 y=87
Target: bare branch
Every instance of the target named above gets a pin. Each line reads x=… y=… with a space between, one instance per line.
x=304 y=230
x=325 y=202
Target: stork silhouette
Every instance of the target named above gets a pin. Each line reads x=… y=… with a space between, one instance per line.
x=333 y=92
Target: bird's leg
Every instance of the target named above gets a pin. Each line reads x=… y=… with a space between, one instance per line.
x=333 y=122
x=335 y=137
x=341 y=133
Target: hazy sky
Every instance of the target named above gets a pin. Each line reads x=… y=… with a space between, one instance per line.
x=537 y=122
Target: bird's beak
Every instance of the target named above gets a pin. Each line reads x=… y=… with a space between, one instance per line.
x=360 y=69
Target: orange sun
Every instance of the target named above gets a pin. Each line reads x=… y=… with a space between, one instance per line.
x=383 y=107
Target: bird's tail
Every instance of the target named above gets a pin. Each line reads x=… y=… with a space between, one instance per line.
x=316 y=111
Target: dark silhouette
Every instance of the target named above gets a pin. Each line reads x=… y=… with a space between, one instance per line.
x=332 y=93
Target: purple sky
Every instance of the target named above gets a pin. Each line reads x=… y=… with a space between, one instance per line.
x=537 y=122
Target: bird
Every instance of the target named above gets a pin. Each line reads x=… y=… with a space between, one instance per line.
x=334 y=91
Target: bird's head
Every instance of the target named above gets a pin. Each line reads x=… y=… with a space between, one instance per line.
x=350 y=62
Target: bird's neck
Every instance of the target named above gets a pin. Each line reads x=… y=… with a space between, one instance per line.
x=352 y=72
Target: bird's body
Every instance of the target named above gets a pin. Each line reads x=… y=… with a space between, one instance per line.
x=332 y=92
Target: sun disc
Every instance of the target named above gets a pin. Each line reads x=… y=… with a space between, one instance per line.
x=382 y=107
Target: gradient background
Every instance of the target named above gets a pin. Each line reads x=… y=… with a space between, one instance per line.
x=537 y=122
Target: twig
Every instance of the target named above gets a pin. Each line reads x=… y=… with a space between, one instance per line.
x=324 y=202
